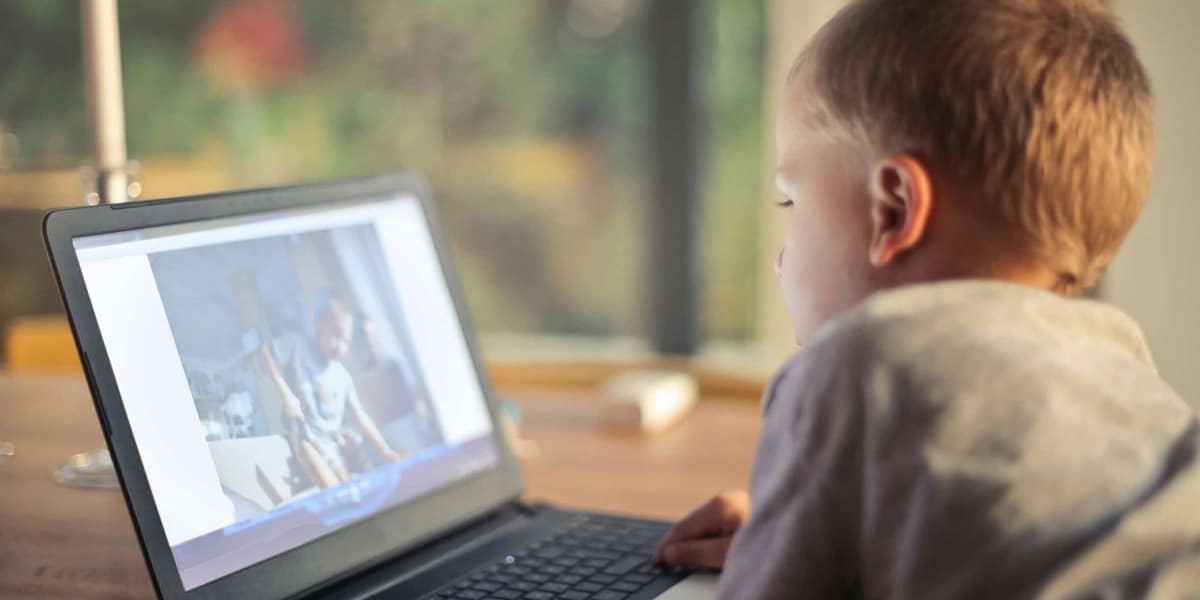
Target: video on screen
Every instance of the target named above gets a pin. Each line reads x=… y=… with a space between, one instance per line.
x=298 y=360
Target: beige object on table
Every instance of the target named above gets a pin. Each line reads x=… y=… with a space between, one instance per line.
x=647 y=400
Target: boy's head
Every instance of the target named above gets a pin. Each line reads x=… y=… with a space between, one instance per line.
x=921 y=140
x=335 y=327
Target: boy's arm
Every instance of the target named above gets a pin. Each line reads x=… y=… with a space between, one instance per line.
x=291 y=404
x=370 y=430
x=804 y=526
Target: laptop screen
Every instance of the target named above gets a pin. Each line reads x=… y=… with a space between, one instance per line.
x=286 y=374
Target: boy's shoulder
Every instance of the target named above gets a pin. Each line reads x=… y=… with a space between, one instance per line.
x=972 y=337
x=988 y=317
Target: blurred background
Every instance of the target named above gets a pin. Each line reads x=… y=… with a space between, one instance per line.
x=530 y=118
x=601 y=165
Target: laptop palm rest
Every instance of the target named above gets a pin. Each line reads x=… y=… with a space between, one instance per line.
x=700 y=586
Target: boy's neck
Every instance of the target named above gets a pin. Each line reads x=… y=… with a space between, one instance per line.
x=1029 y=273
x=1033 y=276
x=973 y=248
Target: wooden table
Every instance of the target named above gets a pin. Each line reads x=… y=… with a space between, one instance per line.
x=74 y=543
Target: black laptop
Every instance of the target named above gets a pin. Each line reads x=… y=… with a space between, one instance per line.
x=290 y=391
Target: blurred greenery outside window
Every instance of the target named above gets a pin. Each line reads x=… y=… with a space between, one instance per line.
x=529 y=118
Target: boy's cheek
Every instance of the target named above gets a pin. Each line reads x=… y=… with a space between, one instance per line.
x=798 y=289
x=818 y=279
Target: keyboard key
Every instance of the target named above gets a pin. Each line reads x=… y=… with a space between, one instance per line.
x=471 y=595
x=589 y=586
x=539 y=596
x=624 y=565
x=610 y=595
x=625 y=586
x=574 y=595
x=507 y=594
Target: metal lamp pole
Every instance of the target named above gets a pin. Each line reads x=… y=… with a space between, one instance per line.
x=105 y=103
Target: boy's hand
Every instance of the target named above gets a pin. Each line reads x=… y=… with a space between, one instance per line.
x=702 y=538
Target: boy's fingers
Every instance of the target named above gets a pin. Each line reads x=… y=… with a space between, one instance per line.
x=699 y=523
x=702 y=522
x=709 y=553
x=719 y=516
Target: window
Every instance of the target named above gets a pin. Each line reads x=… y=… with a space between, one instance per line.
x=530 y=119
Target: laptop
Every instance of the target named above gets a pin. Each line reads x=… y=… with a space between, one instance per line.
x=296 y=408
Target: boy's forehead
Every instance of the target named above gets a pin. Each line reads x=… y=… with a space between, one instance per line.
x=800 y=116
x=805 y=130
x=795 y=133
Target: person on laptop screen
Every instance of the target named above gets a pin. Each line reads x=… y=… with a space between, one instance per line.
x=318 y=394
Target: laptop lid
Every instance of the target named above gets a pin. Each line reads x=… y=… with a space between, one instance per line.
x=286 y=379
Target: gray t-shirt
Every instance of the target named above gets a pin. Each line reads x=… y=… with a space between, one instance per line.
x=973 y=440
x=325 y=390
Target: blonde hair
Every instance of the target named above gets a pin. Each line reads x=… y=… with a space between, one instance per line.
x=1039 y=108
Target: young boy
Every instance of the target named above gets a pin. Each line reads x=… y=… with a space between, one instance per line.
x=319 y=394
x=954 y=173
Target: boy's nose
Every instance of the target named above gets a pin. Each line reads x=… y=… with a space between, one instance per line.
x=779 y=263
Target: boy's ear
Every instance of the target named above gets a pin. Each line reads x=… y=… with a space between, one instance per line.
x=901 y=200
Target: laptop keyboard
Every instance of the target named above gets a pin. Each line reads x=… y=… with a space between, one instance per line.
x=591 y=557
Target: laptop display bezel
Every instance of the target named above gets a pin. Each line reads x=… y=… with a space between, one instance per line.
x=340 y=554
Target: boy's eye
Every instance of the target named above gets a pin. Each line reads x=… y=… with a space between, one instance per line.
x=786 y=202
